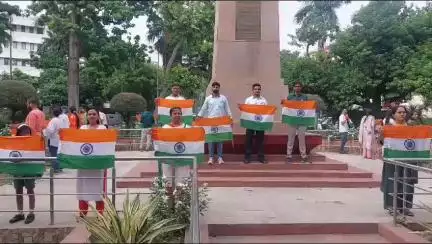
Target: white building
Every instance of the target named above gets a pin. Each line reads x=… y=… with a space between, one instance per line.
x=26 y=38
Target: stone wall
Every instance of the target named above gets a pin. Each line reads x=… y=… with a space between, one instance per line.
x=34 y=235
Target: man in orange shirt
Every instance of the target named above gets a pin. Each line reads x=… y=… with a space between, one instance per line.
x=36 y=118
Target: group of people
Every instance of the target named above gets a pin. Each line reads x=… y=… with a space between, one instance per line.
x=217 y=105
x=35 y=125
x=371 y=142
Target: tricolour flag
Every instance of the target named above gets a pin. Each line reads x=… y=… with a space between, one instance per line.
x=216 y=129
x=407 y=141
x=299 y=113
x=87 y=149
x=22 y=147
x=179 y=142
x=257 y=117
x=164 y=106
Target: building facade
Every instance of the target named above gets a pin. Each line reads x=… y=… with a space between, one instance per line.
x=26 y=38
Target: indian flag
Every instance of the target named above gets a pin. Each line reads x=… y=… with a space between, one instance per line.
x=216 y=129
x=87 y=149
x=164 y=106
x=257 y=117
x=299 y=113
x=179 y=142
x=407 y=141
x=22 y=147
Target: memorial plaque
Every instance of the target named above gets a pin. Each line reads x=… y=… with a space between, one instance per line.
x=248 y=20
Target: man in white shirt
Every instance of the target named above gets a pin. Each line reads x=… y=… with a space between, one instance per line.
x=215 y=105
x=64 y=118
x=175 y=93
x=344 y=122
x=255 y=99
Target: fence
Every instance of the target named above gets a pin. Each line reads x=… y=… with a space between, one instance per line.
x=133 y=140
x=410 y=181
x=331 y=141
x=194 y=211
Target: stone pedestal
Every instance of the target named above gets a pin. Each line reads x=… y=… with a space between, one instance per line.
x=246 y=51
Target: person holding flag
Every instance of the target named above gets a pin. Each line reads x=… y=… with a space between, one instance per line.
x=298 y=116
x=255 y=99
x=215 y=105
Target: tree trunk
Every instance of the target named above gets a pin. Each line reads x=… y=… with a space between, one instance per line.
x=172 y=58
x=321 y=44
x=307 y=50
x=73 y=65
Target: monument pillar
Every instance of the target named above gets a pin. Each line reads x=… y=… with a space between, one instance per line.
x=246 y=51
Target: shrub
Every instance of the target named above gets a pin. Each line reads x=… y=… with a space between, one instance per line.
x=137 y=224
x=14 y=94
x=128 y=104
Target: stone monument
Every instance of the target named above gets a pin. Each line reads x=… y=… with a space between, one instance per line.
x=246 y=51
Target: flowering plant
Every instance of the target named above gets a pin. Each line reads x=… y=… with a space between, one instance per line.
x=176 y=203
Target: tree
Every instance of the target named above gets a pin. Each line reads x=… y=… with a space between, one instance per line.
x=318 y=22
x=74 y=24
x=6 y=11
x=128 y=103
x=14 y=94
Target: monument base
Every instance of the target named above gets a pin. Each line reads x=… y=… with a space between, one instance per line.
x=275 y=141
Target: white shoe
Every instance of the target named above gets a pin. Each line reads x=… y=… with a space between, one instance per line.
x=220 y=161
x=210 y=161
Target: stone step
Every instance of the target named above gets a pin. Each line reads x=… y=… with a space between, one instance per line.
x=329 y=238
x=223 y=172
x=279 y=165
x=266 y=182
x=274 y=158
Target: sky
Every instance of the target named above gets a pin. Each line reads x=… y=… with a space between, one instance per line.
x=287 y=10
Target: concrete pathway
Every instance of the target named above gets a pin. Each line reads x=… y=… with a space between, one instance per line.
x=237 y=205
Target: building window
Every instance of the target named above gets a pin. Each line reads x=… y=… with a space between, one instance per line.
x=25 y=62
x=31 y=29
x=6 y=61
x=32 y=46
x=14 y=62
x=14 y=27
x=39 y=46
x=23 y=45
x=39 y=30
x=6 y=44
x=15 y=44
x=23 y=28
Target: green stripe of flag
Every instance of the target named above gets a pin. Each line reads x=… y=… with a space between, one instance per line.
x=165 y=119
x=389 y=153
x=86 y=162
x=219 y=137
x=179 y=162
x=252 y=125
x=22 y=169
x=290 y=120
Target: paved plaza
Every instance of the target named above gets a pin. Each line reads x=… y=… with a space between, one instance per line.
x=238 y=204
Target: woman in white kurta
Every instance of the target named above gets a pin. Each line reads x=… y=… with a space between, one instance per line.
x=94 y=186
x=181 y=172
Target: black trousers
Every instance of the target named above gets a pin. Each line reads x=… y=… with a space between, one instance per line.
x=259 y=141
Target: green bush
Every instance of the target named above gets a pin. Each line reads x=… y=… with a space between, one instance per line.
x=14 y=94
x=128 y=103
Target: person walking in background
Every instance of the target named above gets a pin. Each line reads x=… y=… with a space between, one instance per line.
x=215 y=105
x=52 y=134
x=299 y=130
x=388 y=120
x=255 y=99
x=27 y=181
x=103 y=119
x=416 y=118
x=91 y=182
x=82 y=115
x=64 y=118
x=344 y=122
x=367 y=136
x=36 y=118
x=147 y=123
x=73 y=118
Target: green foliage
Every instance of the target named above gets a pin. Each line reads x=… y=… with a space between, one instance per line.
x=138 y=223
x=177 y=205
x=53 y=86
x=15 y=94
x=128 y=102
x=6 y=11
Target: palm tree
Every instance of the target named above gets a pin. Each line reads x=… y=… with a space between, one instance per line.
x=318 y=21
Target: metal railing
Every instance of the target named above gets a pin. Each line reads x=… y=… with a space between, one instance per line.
x=194 y=211
x=133 y=140
x=407 y=188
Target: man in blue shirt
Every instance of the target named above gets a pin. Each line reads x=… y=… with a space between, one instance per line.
x=299 y=130
x=147 y=122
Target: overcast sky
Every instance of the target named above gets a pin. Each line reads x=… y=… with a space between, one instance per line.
x=287 y=10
